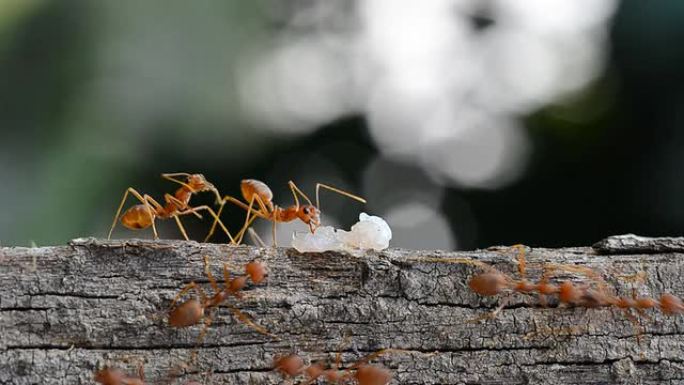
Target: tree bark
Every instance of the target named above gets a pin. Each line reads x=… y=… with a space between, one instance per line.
x=66 y=311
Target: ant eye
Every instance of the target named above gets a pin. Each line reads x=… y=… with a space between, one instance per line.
x=306 y=210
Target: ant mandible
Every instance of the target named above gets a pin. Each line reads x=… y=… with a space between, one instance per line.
x=254 y=191
x=142 y=216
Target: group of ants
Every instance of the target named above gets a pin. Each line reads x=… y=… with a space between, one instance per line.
x=258 y=203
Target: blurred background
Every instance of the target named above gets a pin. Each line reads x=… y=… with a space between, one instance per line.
x=465 y=123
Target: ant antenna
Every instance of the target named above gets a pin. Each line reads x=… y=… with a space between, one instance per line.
x=296 y=190
x=333 y=189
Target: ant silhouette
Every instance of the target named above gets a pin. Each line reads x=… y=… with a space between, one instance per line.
x=254 y=191
x=143 y=215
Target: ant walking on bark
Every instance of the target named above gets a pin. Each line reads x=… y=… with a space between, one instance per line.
x=361 y=372
x=143 y=215
x=254 y=191
x=493 y=282
x=192 y=311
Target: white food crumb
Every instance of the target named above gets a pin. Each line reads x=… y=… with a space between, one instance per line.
x=323 y=239
x=370 y=232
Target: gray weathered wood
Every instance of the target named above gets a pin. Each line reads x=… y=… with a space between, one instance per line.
x=634 y=244
x=66 y=310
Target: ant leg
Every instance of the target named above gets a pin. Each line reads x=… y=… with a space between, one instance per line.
x=333 y=189
x=141 y=371
x=180 y=226
x=273 y=233
x=226 y=277
x=522 y=262
x=248 y=220
x=263 y=210
x=210 y=276
x=214 y=215
x=244 y=318
x=213 y=225
x=172 y=199
x=492 y=314
x=240 y=204
x=159 y=209
x=187 y=288
x=295 y=190
x=138 y=196
x=203 y=333
x=379 y=353
x=172 y=174
x=256 y=239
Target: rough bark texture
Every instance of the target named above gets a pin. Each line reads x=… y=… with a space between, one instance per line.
x=65 y=311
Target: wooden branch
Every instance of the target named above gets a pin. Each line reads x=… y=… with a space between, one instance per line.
x=65 y=311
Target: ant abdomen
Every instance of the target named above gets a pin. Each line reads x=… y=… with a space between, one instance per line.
x=372 y=375
x=109 y=376
x=256 y=271
x=488 y=284
x=671 y=305
x=251 y=187
x=138 y=217
x=186 y=314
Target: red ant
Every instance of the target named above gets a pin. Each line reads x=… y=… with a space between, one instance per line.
x=109 y=376
x=192 y=311
x=494 y=282
x=254 y=191
x=291 y=366
x=142 y=216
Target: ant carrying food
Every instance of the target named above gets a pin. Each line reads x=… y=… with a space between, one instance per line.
x=143 y=215
x=254 y=191
x=192 y=311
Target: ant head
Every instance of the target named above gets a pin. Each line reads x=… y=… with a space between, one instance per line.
x=310 y=215
x=199 y=183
